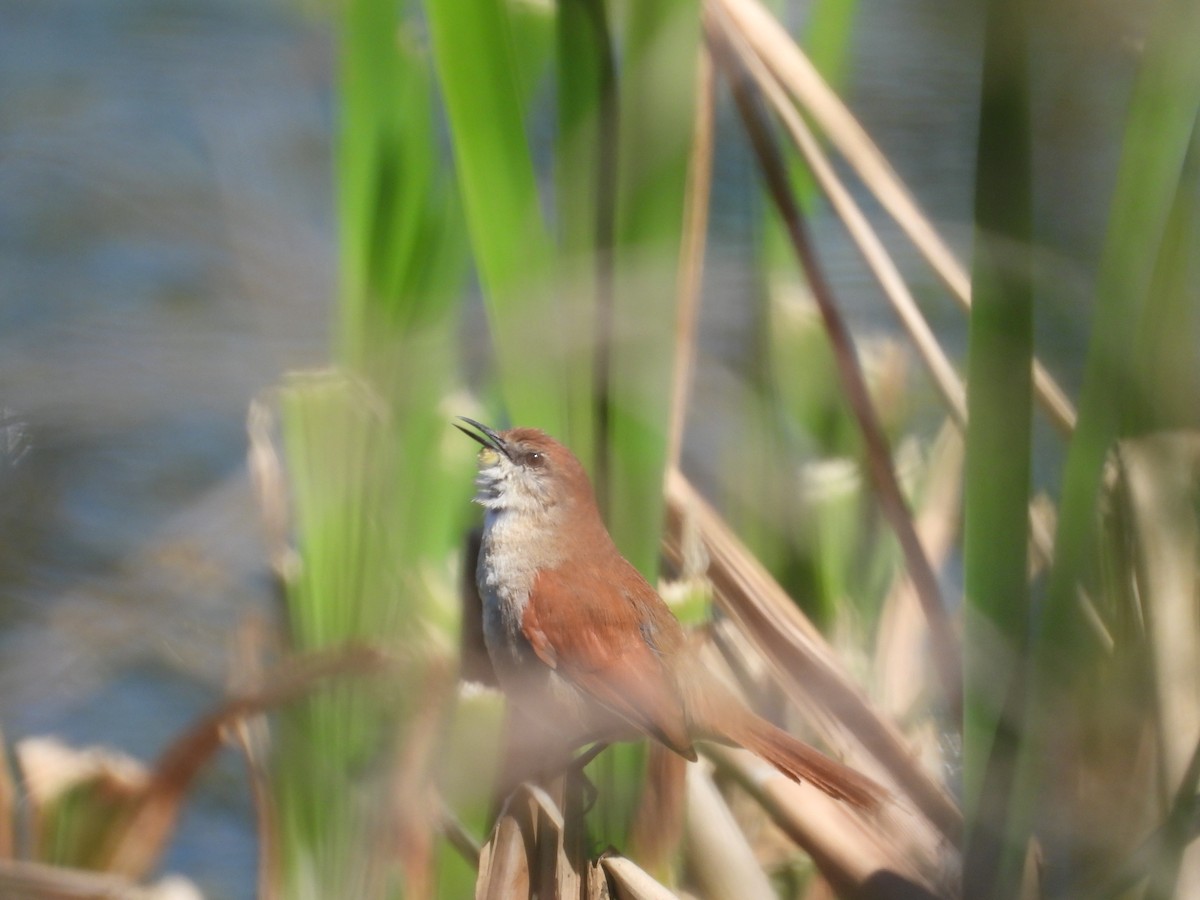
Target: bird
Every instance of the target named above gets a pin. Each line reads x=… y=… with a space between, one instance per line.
x=581 y=643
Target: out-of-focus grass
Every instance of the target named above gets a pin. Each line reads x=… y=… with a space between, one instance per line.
x=998 y=447
x=1139 y=288
x=480 y=75
x=378 y=501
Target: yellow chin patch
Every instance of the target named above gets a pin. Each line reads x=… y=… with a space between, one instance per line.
x=488 y=457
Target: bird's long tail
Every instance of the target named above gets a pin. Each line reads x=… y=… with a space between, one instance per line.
x=719 y=716
x=800 y=762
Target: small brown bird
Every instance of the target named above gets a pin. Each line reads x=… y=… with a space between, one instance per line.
x=581 y=642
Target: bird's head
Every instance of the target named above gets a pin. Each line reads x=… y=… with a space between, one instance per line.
x=525 y=470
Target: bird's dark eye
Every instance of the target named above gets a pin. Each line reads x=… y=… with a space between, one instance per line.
x=534 y=459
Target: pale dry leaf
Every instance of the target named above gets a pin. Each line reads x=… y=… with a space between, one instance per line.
x=633 y=882
x=786 y=60
x=720 y=859
x=803 y=661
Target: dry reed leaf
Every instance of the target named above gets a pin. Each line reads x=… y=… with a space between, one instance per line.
x=131 y=811
x=35 y=881
x=1043 y=520
x=504 y=862
x=691 y=253
x=771 y=41
x=50 y=769
x=719 y=858
x=659 y=818
x=416 y=810
x=559 y=864
x=135 y=848
x=597 y=882
x=804 y=663
x=78 y=799
x=265 y=463
x=794 y=71
x=251 y=737
x=879 y=466
x=535 y=850
x=1031 y=880
x=894 y=849
x=1162 y=484
x=632 y=882
x=899 y=670
x=878 y=260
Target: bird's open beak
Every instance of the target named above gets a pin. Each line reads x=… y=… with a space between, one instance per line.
x=490 y=438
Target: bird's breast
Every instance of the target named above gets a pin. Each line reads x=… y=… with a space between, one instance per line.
x=505 y=575
x=508 y=567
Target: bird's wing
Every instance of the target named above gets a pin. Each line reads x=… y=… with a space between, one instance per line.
x=613 y=651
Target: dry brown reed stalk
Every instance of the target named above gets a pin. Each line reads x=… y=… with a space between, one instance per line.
x=536 y=850
x=878 y=260
x=251 y=737
x=504 y=860
x=146 y=809
x=898 y=671
x=1159 y=485
x=20 y=880
x=691 y=255
x=631 y=882
x=780 y=53
x=879 y=467
x=762 y=60
x=854 y=853
x=659 y=819
x=803 y=662
x=414 y=812
x=720 y=857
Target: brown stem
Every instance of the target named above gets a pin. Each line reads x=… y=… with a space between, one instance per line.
x=880 y=471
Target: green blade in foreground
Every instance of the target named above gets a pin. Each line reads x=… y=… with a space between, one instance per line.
x=1159 y=131
x=481 y=80
x=998 y=454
